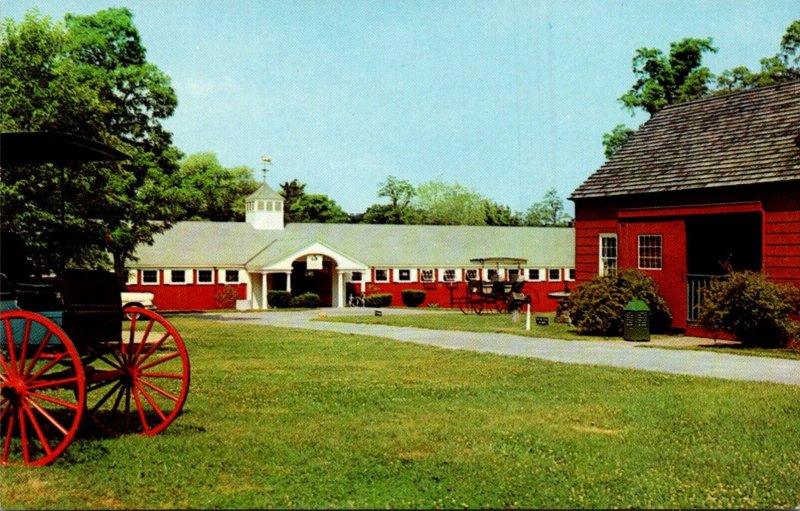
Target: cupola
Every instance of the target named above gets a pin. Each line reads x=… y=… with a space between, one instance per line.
x=263 y=209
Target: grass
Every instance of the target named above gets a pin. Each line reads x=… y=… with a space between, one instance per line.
x=298 y=419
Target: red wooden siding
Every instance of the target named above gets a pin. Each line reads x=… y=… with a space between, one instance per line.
x=192 y=296
x=782 y=246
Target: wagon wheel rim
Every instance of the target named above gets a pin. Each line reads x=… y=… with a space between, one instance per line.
x=43 y=389
x=139 y=382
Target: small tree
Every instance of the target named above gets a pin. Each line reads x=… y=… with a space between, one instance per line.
x=751 y=308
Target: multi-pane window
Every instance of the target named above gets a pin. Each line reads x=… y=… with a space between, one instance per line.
x=178 y=276
x=472 y=274
x=609 y=254
x=404 y=275
x=650 y=252
x=149 y=276
x=231 y=276
x=426 y=275
x=570 y=274
x=205 y=277
x=449 y=275
x=534 y=274
x=492 y=274
x=381 y=275
x=355 y=276
x=554 y=274
x=513 y=274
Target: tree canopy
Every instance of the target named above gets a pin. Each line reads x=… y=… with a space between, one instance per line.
x=87 y=76
x=208 y=191
x=549 y=211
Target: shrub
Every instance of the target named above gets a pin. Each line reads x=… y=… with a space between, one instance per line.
x=378 y=300
x=597 y=307
x=226 y=297
x=753 y=309
x=413 y=297
x=279 y=299
x=305 y=300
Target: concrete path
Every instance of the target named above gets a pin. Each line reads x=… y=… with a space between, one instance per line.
x=606 y=353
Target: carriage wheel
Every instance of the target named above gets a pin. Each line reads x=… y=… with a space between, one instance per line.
x=43 y=389
x=500 y=305
x=477 y=306
x=138 y=384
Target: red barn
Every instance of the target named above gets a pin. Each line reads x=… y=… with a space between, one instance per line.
x=701 y=186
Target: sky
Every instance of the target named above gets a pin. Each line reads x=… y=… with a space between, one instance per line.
x=508 y=98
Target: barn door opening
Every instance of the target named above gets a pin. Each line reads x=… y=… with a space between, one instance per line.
x=716 y=244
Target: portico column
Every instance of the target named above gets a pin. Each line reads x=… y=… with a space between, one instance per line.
x=340 y=289
x=264 y=304
x=289 y=281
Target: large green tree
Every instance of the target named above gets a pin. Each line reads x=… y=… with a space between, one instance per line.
x=312 y=207
x=662 y=80
x=87 y=76
x=209 y=191
x=449 y=204
x=400 y=193
x=781 y=67
x=549 y=211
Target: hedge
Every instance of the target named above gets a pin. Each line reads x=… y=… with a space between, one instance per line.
x=305 y=300
x=279 y=299
x=378 y=300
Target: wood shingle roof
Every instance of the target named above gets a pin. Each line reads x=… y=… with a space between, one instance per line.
x=745 y=138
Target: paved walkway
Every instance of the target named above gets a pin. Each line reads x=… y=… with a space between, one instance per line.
x=606 y=353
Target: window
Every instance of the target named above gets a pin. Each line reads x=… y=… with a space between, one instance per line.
x=404 y=275
x=535 y=275
x=150 y=277
x=356 y=276
x=492 y=274
x=231 y=276
x=554 y=274
x=513 y=274
x=449 y=275
x=205 y=277
x=472 y=274
x=426 y=275
x=608 y=254
x=570 y=273
x=177 y=276
x=650 y=252
x=382 y=275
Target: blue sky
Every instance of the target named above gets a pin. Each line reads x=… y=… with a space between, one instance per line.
x=506 y=97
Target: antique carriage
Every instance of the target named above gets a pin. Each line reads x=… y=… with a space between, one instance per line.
x=69 y=352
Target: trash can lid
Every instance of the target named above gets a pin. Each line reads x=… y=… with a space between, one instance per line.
x=637 y=305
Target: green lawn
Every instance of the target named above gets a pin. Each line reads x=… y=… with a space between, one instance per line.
x=301 y=419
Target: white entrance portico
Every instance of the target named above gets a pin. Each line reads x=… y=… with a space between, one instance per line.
x=307 y=266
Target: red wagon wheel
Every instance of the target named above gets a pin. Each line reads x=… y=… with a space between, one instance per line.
x=139 y=383
x=43 y=389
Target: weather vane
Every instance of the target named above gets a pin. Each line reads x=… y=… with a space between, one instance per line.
x=265 y=160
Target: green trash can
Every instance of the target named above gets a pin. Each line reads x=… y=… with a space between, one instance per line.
x=637 y=321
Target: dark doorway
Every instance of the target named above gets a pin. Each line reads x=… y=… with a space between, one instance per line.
x=313 y=281
x=716 y=243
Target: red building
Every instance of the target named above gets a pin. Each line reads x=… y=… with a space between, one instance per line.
x=207 y=265
x=701 y=186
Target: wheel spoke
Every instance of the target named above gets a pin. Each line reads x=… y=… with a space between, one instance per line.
x=9 y=432
x=23 y=436
x=152 y=402
x=38 y=354
x=144 y=338
x=42 y=439
x=154 y=347
x=52 y=383
x=159 y=361
x=23 y=350
x=159 y=390
x=140 y=408
x=55 y=401
x=49 y=417
x=174 y=376
x=49 y=365
x=7 y=365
